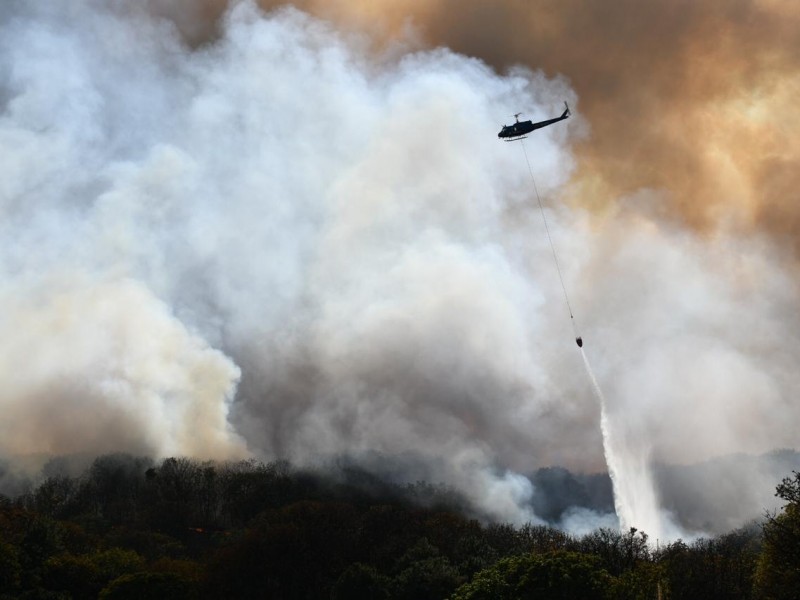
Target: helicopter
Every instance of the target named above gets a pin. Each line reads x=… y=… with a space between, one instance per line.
x=518 y=131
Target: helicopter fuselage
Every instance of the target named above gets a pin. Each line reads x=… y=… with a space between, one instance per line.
x=520 y=128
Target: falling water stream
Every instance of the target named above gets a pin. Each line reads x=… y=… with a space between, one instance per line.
x=635 y=500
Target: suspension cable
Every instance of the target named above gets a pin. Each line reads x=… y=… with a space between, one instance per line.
x=550 y=240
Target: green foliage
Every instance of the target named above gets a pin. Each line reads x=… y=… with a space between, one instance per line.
x=789 y=489
x=149 y=586
x=557 y=575
x=83 y=576
x=149 y=544
x=643 y=582
x=778 y=573
x=115 y=562
x=619 y=552
x=361 y=582
x=52 y=496
x=718 y=569
x=37 y=539
x=10 y=569
x=75 y=575
x=424 y=574
x=113 y=489
x=249 y=487
x=129 y=528
x=188 y=569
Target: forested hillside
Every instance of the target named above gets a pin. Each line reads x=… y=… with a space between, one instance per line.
x=132 y=528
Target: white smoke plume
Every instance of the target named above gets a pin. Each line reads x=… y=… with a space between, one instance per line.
x=92 y=366
x=287 y=243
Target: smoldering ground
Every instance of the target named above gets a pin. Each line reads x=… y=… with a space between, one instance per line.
x=266 y=233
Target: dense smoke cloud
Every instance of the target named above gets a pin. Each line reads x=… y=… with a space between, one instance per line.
x=333 y=225
x=229 y=232
x=696 y=99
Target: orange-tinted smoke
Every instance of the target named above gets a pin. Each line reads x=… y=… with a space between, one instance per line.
x=695 y=99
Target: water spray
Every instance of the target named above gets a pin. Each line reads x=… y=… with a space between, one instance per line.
x=635 y=500
x=620 y=507
x=611 y=461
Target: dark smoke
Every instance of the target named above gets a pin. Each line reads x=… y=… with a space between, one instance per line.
x=230 y=232
x=695 y=99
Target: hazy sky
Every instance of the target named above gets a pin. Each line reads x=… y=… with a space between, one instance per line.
x=692 y=98
x=295 y=234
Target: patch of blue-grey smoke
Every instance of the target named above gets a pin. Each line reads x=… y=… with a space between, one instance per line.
x=288 y=243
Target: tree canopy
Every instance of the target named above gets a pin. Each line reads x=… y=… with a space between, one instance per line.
x=130 y=527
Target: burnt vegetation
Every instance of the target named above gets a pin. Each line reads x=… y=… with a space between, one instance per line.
x=129 y=527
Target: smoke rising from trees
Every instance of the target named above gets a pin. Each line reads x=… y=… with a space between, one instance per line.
x=272 y=234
